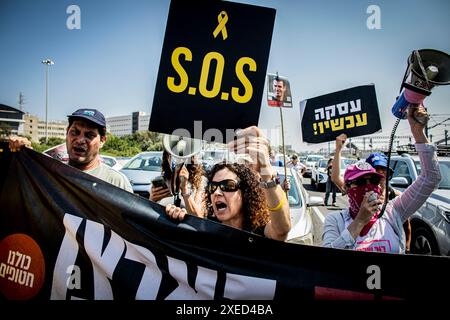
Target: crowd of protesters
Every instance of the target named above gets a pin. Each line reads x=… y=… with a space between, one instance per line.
x=249 y=197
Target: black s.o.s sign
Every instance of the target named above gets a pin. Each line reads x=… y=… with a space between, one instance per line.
x=213 y=67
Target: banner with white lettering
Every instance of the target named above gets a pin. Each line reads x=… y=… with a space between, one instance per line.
x=352 y=111
x=67 y=235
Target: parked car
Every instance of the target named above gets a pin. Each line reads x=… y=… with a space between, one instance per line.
x=348 y=162
x=123 y=160
x=431 y=223
x=299 y=203
x=141 y=170
x=111 y=161
x=310 y=162
x=208 y=158
x=319 y=175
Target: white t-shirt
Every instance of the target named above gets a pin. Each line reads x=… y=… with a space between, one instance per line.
x=380 y=238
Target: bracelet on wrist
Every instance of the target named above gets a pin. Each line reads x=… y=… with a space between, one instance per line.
x=279 y=205
x=187 y=194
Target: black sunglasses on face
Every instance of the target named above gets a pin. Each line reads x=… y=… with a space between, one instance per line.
x=227 y=185
x=364 y=180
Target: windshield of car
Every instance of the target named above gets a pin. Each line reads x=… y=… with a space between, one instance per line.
x=323 y=163
x=146 y=162
x=214 y=155
x=313 y=159
x=444 y=167
x=346 y=162
x=294 y=192
x=108 y=161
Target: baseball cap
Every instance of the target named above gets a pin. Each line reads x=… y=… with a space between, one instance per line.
x=294 y=157
x=92 y=115
x=359 y=169
x=378 y=159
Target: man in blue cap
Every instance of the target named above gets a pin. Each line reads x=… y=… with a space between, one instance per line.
x=85 y=136
x=379 y=162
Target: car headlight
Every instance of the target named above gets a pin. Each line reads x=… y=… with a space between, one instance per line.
x=444 y=212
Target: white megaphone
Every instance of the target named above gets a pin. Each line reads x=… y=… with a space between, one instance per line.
x=426 y=68
x=181 y=149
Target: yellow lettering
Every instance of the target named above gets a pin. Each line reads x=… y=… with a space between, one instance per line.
x=177 y=88
x=361 y=119
x=248 y=88
x=217 y=76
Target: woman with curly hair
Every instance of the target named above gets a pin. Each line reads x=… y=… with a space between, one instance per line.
x=192 y=186
x=246 y=197
x=229 y=185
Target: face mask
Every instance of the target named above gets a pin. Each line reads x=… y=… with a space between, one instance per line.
x=355 y=197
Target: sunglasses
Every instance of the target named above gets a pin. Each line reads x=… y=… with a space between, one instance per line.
x=227 y=185
x=363 y=181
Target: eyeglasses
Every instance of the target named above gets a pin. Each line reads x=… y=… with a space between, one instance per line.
x=227 y=185
x=364 y=180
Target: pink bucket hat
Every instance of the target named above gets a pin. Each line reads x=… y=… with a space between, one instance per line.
x=359 y=169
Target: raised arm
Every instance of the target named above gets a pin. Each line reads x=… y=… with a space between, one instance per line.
x=252 y=142
x=430 y=176
x=193 y=206
x=335 y=174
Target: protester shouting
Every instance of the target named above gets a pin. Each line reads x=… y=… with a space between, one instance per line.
x=85 y=136
x=359 y=227
x=247 y=196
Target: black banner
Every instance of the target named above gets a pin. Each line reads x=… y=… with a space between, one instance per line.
x=352 y=111
x=67 y=235
x=212 y=69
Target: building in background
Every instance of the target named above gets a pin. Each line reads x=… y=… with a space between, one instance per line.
x=11 y=121
x=35 y=128
x=126 y=125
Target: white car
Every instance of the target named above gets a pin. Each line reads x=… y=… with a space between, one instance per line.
x=430 y=224
x=111 y=161
x=310 y=162
x=319 y=175
x=299 y=204
x=142 y=169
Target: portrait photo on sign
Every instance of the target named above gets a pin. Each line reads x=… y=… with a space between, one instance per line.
x=278 y=91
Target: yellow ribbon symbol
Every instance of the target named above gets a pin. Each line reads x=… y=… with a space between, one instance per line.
x=223 y=19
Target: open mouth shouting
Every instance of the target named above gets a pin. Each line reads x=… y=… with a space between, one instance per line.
x=220 y=206
x=79 y=151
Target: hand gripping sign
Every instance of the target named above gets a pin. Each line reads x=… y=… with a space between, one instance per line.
x=352 y=111
x=212 y=67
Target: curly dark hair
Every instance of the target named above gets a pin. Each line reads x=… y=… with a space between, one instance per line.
x=195 y=170
x=195 y=174
x=166 y=165
x=254 y=203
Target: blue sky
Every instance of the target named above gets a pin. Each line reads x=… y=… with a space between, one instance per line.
x=111 y=63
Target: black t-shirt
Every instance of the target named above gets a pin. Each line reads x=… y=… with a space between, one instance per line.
x=329 y=170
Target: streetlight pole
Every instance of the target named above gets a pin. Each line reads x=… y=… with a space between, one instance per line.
x=47 y=62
